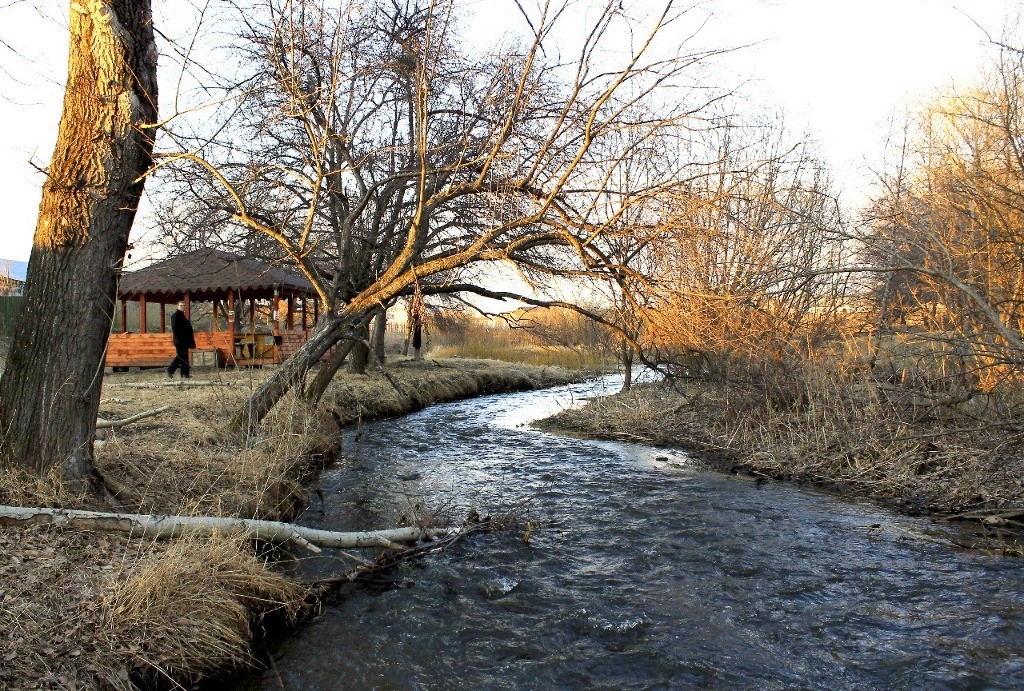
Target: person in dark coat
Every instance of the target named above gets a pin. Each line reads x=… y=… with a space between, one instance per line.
x=184 y=338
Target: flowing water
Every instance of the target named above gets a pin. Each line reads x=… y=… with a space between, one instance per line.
x=645 y=572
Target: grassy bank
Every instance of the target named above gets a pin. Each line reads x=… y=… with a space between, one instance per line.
x=82 y=609
x=842 y=436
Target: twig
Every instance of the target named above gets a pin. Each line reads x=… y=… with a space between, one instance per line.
x=102 y=423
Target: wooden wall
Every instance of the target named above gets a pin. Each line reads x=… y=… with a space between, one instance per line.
x=157 y=349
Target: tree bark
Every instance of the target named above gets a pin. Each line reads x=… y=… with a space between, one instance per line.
x=380 y=326
x=328 y=368
x=417 y=340
x=50 y=390
x=627 y=366
x=408 y=338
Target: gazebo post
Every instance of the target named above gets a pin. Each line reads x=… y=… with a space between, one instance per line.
x=273 y=313
x=252 y=322
x=188 y=307
x=163 y=317
x=316 y=310
x=290 y=322
x=214 y=318
x=303 y=312
x=231 y=326
x=124 y=316
x=142 y=314
x=276 y=324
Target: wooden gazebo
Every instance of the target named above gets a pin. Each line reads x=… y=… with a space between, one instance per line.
x=261 y=313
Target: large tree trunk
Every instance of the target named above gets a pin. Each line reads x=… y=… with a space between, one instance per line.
x=626 y=357
x=50 y=391
x=359 y=358
x=328 y=368
x=417 y=340
x=380 y=327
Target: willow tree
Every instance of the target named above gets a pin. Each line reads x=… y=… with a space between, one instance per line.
x=50 y=389
x=386 y=157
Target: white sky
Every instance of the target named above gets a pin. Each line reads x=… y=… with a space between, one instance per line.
x=838 y=70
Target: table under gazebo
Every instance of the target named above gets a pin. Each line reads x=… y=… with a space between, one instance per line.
x=259 y=313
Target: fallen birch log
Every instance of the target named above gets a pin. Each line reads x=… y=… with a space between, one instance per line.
x=103 y=423
x=163 y=527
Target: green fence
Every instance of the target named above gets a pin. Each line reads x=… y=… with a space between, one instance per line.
x=9 y=306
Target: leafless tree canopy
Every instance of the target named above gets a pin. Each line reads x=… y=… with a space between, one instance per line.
x=371 y=146
x=944 y=235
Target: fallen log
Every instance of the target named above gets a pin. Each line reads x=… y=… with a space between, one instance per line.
x=164 y=527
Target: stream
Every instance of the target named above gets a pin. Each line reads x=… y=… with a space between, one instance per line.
x=642 y=571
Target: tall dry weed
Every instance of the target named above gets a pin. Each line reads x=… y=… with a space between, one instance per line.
x=21 y=487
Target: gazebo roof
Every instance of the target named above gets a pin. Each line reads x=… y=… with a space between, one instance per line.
x=210 y=274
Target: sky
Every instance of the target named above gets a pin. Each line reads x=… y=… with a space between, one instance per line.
x=839 y=71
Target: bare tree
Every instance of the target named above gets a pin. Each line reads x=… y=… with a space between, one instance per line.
x=739 y=260
x=397 y=160
x=942 y=241
x=50 y=390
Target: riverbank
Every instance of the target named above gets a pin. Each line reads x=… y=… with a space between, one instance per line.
x=849 y=448
x=83 y=609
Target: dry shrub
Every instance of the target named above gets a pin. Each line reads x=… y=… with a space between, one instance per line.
x=837 y=425
x=188 y=610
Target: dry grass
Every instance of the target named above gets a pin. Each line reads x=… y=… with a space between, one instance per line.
x=541 y=338
x=51 y=632
x=88 y=610
x=178 y=634
x=424 y=383
x=534 y=355
x=179 y=462
x=94 y=610
x=18 y=487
